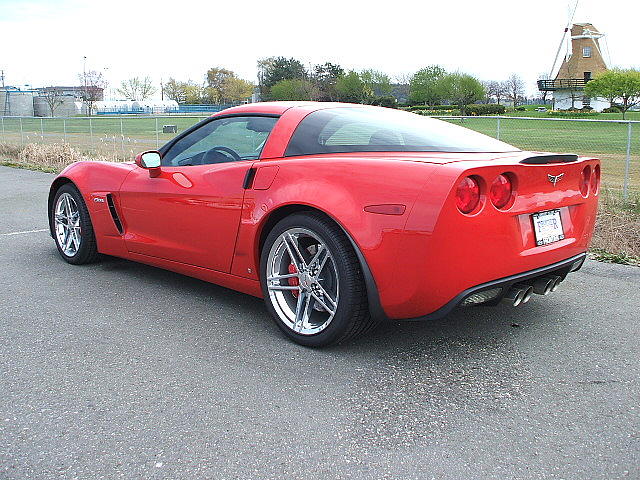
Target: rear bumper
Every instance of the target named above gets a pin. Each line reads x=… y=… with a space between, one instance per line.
x=561 y=269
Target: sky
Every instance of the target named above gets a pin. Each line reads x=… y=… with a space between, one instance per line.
x=44 y=42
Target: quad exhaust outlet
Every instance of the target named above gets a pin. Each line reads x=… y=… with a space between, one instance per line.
x=520 y=293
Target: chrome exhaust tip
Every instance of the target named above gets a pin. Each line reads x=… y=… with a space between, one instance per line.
x=518 y=294
x=544 y=285
x=556 y=283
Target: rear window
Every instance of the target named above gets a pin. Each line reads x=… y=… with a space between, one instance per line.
x=347 y=129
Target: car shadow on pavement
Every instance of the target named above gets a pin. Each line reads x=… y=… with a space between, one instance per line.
x=479 y=326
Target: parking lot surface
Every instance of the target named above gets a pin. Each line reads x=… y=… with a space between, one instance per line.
x=119 y=370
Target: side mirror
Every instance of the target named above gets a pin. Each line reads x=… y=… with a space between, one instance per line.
x=151 y=161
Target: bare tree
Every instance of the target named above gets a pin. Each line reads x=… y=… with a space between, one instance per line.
x=544 y=93
x=54 y=99
x=137 y=88
x=403 y=82
x=92 y=88
x=497 y=90
x=515 y=88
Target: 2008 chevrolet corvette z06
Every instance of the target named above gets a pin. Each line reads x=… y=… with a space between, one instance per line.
x=337 y=215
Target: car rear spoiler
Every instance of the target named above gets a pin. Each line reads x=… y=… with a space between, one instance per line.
x=551 y=158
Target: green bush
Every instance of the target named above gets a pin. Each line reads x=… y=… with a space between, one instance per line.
x=612 y=109
x=485 y=109
x=385 y=101
x=520 y=109
x=432 y=107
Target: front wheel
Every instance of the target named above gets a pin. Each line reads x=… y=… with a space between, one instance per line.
x=312 y=281
x=72 y=228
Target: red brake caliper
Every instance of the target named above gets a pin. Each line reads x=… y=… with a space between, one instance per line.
x=294 y=282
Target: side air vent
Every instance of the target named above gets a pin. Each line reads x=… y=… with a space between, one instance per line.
x=542 y=159
x=114 y=213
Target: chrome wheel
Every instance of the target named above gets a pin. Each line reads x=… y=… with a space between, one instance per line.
x=67 y=225
x=302 y=281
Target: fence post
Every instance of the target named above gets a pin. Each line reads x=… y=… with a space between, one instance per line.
x=21 y=133
x=64 y=129
x=121 y=137
x=627 y=165
x=3 y=137
x=157 y=138
x=42 y=129
x=93 y=147
x=498 y=129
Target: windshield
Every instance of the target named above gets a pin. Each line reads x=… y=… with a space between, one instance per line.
x=353 y=129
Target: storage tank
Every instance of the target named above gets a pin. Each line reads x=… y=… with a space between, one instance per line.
x=40 y=107
x=16 y=103
x=69 y=107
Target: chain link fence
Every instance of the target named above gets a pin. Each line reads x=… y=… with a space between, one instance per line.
x=615 y=142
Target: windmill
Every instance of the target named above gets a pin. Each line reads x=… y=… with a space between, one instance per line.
x=582 y=61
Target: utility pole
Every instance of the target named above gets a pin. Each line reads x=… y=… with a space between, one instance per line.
x=2 y=77
x=161 y=90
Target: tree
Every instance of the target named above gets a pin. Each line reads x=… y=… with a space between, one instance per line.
x=235 y=90
x=54 y=99
x=281 y=68
x=401 y=87
x=515 y=88
x=294 y=89
x=264 y=65
x=137 y=88
x=325 y=77
x=378 y=83
x=424 y=85
x=496 y=89
x=617 y=84
x=351 y=88
x=215 y=80
x=174 y=90
x=461 y=89
x=92 y=88
x=193 y=93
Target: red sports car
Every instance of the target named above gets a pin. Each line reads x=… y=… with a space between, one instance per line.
x=337 y=215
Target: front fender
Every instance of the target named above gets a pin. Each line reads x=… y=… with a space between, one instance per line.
x=95 y=180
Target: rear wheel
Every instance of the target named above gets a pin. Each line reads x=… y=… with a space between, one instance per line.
x=312 y=281
x=72 y=228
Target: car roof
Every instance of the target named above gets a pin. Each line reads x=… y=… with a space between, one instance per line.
x=278 y=108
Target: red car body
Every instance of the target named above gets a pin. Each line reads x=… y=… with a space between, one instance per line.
x=421 y=256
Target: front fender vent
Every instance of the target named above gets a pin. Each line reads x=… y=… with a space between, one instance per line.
x=543 y=159
x=114 y=213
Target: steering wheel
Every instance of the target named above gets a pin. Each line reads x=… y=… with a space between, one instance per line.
x=226 y=150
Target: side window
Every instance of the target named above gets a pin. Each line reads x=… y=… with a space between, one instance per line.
x=221 y=140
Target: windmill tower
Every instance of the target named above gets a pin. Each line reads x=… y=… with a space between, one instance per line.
x=583 y=61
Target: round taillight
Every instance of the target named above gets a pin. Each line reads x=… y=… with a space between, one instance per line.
x=585 y=179
x=595 y=179
x=501 y=191
x=467 y=195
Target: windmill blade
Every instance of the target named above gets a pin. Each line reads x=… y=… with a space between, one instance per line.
x=566 y=29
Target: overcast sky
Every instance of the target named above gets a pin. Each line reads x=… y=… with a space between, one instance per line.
x=44 y=41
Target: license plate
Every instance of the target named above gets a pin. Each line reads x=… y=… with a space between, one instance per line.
x=547 y=227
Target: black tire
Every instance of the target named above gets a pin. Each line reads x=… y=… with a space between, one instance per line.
x=351 y=316
x=87 y=252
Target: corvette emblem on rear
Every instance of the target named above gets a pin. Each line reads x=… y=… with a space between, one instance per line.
x=555 y=178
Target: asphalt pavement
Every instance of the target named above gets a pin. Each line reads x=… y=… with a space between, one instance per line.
x=120 y=370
